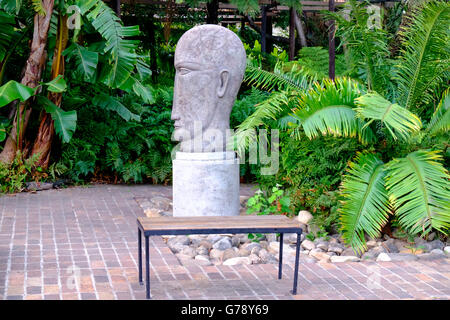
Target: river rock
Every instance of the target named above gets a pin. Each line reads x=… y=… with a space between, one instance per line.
x=228 y=254
x=308 y=244
x=338 y=259
x=336 y=248
x=183 y=240
x=396 y=257
x=437 y=251
x=447 y=250
x=304 y=217
x=202 y=251
x=249 y=246
x=205 y=243
x=196 y=239
x=371 y=244
x=271 y=237
x=390 y=246
x=322 y=256
x=256 y=250
x=236 y=261
x=322 y=245
x=162 y=203
x=348 y=252
x=216 y=254
x=266 y=257
x=435 y=244
x=235 y=241
x=243 y=252
x=189 y=251
x=213 y=238
x=255 y=259
x=203 y=260
x=223 y=244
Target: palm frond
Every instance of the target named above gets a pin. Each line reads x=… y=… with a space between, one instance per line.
x=364 y=208
x=419 y=190
x=440 y=121
x=285 y=76
x=328 y=110
x=399 y=121
x=424 y=61
x=271 y=108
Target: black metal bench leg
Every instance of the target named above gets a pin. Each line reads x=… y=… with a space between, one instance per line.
x=140 y=255
x=147 y=268
x=297 y=256
x=280 y=259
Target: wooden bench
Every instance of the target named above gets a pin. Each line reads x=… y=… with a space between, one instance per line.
x=215 y=225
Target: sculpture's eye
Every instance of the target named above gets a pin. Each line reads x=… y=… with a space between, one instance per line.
x=183 y=71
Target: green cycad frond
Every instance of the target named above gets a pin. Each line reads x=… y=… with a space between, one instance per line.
x=328 y=109
x=285 y=76
x=424 y=61
x=419 y=190
x=278 y=103
x=399 y=121
x=440 y=121
x=364 y=208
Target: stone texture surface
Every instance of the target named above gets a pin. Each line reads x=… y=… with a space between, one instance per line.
x=47 y=235
x=210 y=62
x=205 y=187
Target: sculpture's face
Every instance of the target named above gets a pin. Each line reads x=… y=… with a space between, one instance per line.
x=195 y=99
x=209 y=63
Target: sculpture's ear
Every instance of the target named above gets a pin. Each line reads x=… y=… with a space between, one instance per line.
x=223 y=84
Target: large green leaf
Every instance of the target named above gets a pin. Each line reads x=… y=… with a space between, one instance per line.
x=65 y=121
x=86 y=60
x=57 y=85
x=419 y=190
x=364 y=208
x=7 y=33
x=440 y=122
x=13 y=90
x=110 y=103
x=424 y=63
x=328 y=110
x=399 y=121
x=11 y=6
x=121 y=52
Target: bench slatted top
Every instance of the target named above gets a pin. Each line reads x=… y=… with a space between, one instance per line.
x=223 y=224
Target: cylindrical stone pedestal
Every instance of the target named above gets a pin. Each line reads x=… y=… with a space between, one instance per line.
x=205 y=184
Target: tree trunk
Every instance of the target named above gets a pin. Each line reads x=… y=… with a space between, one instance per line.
x=291 y=34
x=301 y=32
x=33 y=71
x=212 y=8
x=331 y=45
x=43 y=143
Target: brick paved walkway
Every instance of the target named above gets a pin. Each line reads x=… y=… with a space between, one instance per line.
x=48 y=237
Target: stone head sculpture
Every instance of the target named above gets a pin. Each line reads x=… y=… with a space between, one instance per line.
x=210 y=63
